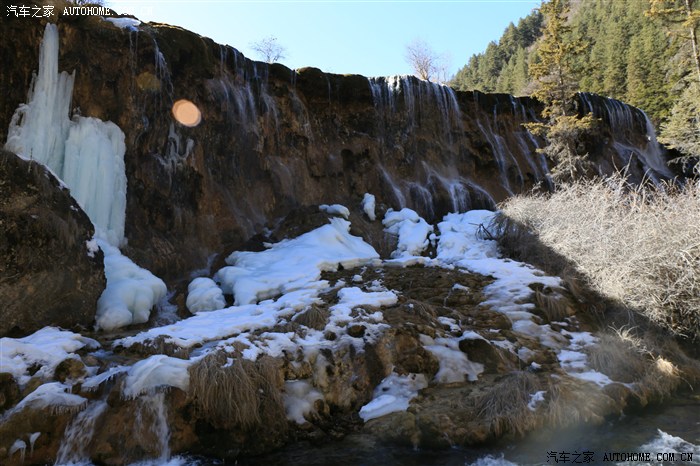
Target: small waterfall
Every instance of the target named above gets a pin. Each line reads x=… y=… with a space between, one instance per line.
x=152 y=419
x=78 y=434
x=418 y=97
x=162 y=70
x=624 y=121
x=241 y=87
x=395 y=189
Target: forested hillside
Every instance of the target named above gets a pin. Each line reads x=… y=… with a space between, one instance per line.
x=637 y=51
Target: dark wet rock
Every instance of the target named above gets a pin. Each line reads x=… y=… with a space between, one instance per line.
x=70 y=369
x=47 y=276
x=9 y=391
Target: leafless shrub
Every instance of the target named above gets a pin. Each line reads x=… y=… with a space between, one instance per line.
x=636 y=245
x=620 y=357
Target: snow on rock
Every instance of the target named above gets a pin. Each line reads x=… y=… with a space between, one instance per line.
x=215 y=325
x=369 y=206
x=54 y=395
x=535 y=399
x=131 y=291
x=575 y=362
x=393 y=394
x=156 y=371
x=454 y=364
x=292 y=264
x=299 y=399
x=203 y=294
x=352 y=297
x=335 y=209
x=45 y=348
x=125 y=23
x=462 y=244
x=92 y=247
x=412 y=230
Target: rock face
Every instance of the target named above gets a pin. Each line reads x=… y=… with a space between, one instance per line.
x=46 y=276
x=274 y=139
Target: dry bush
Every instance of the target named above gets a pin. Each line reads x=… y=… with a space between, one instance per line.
x=572 y=401
x=620 y=356
x=554 y=306
x=242 y=393
x=314 y=317
x=637 y=245
x=505 y=405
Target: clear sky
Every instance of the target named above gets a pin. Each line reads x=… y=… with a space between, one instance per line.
x=353 y=36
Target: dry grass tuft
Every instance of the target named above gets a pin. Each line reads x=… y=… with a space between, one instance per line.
x=571 y=402
x=505 y=405
x=554 y=306
x=314 y=317
x=238 y=393
x=619 y=356
x=635 y=245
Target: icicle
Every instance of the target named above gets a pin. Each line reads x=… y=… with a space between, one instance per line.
x=32 y=441
x=18 y=446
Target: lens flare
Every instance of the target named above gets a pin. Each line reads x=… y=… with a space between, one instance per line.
x=187 y=113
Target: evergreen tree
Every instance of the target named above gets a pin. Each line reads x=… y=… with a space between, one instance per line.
x=684 y=18
x=555 y=71
x=682 y=130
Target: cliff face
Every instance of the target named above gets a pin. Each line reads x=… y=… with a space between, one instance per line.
x=273 y=139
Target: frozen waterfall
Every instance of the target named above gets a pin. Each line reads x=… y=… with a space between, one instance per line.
x=86 y=153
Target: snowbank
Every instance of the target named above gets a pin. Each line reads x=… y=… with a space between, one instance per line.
x=203 y=294
x=292 y=264
x=412 y=230
x=131 y=291
x=45 y=348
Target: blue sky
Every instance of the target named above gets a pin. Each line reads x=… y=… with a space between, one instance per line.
x=366 y=37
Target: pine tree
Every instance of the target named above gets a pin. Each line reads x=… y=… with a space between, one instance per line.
x=684 y=18
x=555 y=71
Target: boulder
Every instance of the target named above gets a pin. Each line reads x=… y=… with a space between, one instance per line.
x=50 y=274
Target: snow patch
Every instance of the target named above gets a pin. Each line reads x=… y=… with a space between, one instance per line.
x=369 y=206
x=156 y=371
x=131 y=291
x=393 y=394
x=299 y=399
x=45 y=348
x=292 y=264
x=203 y=294
x=125 y=23
x=335 y=209
x=454 y=364
x=54 y=395
x=411 y=229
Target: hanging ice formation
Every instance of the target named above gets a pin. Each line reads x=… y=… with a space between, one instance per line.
x=86 y=153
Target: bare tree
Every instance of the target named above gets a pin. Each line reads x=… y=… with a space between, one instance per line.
x=427 y=64
x=269 y=49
